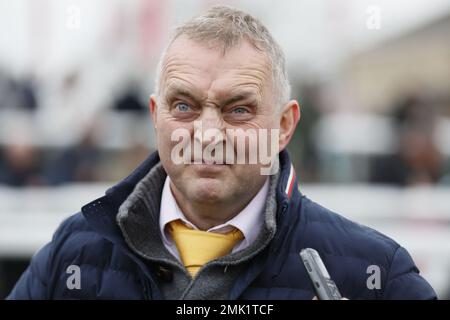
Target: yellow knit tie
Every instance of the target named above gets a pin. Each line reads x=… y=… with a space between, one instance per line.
x=198 y=247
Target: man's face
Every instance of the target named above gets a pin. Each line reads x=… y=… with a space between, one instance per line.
x=231 y=91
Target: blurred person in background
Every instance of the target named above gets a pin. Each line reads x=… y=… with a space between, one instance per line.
x=20 y=166
x=78 y=163
x=215 y=230
x=417 y=160
x=18 y=93
x=129 y=100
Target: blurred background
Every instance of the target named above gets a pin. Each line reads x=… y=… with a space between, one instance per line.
x=372 y=77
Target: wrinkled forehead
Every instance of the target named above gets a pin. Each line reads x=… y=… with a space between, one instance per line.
x=209 y=69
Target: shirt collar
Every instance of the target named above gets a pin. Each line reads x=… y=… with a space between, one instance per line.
x=249 y=221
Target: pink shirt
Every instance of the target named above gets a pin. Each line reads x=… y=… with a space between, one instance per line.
x=249 y=221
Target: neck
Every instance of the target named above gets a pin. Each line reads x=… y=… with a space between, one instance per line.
x=199 y=213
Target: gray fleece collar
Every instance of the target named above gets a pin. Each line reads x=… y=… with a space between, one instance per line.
x=138 y=219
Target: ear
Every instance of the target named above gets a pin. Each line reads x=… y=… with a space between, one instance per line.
x=289 y=118
x=153 y=109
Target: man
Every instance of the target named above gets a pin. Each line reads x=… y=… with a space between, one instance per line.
x=194 y=223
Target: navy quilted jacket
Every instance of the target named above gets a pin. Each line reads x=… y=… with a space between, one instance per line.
x=92 y=240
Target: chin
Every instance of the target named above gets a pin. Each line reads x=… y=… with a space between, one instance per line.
x=207 y=189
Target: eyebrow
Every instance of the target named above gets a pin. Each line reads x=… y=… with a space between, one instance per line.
x=175 y=90
x=238 y=97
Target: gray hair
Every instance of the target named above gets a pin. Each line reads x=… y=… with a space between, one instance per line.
x=228 y=27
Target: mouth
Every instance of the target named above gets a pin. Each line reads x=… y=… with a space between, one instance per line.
x=212 y=162
x=207 y=162
x=209 y=168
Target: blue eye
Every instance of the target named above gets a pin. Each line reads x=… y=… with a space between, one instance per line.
x=240 y=110
x=183 y=107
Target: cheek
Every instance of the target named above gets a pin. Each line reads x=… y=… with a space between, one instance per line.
x=172 y=136
x=168 y=128
x=164 y=142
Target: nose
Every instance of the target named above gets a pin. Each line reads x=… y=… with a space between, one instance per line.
x=209 y=127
